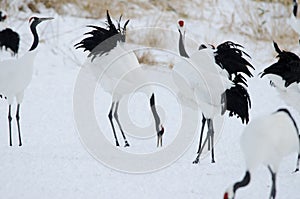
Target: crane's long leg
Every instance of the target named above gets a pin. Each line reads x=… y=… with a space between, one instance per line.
x=9 y=124
x=201 y=133
x=298 y=159
x=273 y=188
x=211 y=134
x=196 y=161
x=297 y=166
x=18 y=123
x=112 y=124
x=119 y=124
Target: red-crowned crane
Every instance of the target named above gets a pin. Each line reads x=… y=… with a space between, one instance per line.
x=9 y=39
x=226 y=63
x=109 y=57
x=285 y=76
x=267 y=140
x=16 y=74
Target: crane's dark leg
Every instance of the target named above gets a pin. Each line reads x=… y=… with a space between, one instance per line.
x=201 y=133
x=9 y=124
x=119 y=124
x=196 y=161
x=18 y=123
x=211 y=134
x=298 y=159
x=112 y=124
x=273 y=188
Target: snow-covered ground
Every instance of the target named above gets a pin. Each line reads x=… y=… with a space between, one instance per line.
x=53 y=163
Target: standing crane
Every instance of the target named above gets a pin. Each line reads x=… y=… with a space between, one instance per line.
x=226 y=63
x=267 y=140
x=9 y=39
x=16 y=75
x=109 y=57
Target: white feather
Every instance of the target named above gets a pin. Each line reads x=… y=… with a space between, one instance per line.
x=15 y=76
x=207 y=83
x=266 y=140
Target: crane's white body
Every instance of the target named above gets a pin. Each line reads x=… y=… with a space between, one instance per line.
x=268 y=139
x=290 y=95
x=201 y=82
x=118 y=72
x=15 y=76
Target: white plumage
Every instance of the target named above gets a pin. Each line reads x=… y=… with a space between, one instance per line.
x=118 y=71
x=206 y=81
x=267 y=140
x=15 y=76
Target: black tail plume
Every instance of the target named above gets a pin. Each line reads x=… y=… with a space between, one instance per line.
x=277 y=49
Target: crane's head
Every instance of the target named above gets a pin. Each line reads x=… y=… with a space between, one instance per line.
x=159 y=135
x=181 y=26
x=204 y=46
x=229 y=194
x=122 y=30
x=2 y=16
x=34 y=21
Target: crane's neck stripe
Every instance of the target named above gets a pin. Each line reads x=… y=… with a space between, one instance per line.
x=291 y=117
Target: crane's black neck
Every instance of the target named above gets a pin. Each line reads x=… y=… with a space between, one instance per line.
x=35 y=36
x=182 y=50
x=295 y=8
x=242 y=183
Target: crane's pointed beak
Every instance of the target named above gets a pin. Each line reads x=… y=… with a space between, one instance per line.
x=159 y=141
x=46 y=18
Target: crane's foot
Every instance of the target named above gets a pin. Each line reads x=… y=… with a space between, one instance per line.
x=196 y=161
x=213 y=161
x=126 y=144
x=296 y=170
x=20 y=144
x=117 y=143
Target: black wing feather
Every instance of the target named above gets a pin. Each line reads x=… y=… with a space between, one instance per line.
x=9 y=39
x=287 y=67
x=230 y=57
x=101 y=40
x=238 y=102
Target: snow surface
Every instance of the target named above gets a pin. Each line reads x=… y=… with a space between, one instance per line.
x=53 y=163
